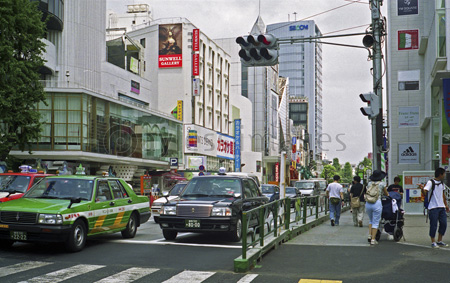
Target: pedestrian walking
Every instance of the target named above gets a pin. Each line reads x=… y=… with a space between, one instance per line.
x=357 y=201
x=437 y=207
x=372 y=196
x=396 y=186
x=335 y=193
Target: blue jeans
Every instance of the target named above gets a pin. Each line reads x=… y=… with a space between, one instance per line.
x=437 y=215
x=335 y=212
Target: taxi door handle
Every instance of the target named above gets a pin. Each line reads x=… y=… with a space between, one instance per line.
x=112 y=203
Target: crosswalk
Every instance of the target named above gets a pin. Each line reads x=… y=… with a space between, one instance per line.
x=84 y=271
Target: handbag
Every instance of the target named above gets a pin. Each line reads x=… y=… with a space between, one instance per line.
x=354 y=202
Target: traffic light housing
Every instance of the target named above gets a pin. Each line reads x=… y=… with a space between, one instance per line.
x=261 y=50
x=373 y=104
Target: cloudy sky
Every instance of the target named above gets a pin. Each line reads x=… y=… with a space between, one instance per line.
x=346 y=71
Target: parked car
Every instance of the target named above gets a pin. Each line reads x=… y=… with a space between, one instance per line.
x=292 y=193
x=243 y=174
x=70 y=208
x=14 y=185
x=308 y=188
x=174 y=192
x=212 y=204
x=271 y=191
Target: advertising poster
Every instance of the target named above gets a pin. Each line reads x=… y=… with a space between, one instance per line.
x=204 y=141
x=407 y=7
x=170 y=46
x=408 y=116
x=408 y=39
x=412 y=197
x=408 y=153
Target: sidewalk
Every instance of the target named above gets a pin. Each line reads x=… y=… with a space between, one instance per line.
x=415 y=232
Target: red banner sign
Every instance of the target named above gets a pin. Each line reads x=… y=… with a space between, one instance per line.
x=196 y=64
x=196 y=40
x=277 y=172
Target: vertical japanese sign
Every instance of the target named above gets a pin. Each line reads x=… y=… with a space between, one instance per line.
x=408 y=39
x=237 y=145
x=180 y=110
x=446 y=122
x=277 y=172
x=170 y=46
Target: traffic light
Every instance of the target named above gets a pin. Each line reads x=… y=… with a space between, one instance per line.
x=373 y=104
x=261 y=50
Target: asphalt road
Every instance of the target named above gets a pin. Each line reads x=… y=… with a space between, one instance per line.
x=323 y=253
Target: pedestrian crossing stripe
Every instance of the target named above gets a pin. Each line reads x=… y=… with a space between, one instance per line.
x=128 y=275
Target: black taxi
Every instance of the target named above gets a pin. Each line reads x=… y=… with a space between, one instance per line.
x=211 y=204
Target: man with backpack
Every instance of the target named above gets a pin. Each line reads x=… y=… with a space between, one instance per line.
x=437 y=207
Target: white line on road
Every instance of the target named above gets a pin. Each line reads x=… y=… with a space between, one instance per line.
x=422 y=246
x=20 y=267
x=190 y=277
x=128 y=275
x=64 y=274
x=247 y=278
x=164 y=242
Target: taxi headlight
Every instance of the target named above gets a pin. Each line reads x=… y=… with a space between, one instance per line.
x=168 y=210
x=54 y=219
x=221 y=211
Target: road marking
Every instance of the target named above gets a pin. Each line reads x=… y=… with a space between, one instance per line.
x=190 y=277
x=318 y=281
x=247 y=278
x=20 y=267
x=422 y=246
x=64 y=274
x=165 y=242
x=128 y=275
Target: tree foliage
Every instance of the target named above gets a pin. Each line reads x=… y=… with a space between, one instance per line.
x=347 y=173
x=21 y=52
x=336 y=165
x=328 y=173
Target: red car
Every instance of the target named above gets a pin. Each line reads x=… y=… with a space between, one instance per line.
x=14 y=185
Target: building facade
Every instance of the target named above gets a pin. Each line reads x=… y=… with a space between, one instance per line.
x=417 y=96
x=302 y=63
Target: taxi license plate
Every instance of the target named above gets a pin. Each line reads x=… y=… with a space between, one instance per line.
x=18 y=235
x=192 y=223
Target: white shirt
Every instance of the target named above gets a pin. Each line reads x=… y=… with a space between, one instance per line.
x=436 y=200
x=334 y=190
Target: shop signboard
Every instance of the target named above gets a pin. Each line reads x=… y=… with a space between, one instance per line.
x=199 y=140
x=408 y=39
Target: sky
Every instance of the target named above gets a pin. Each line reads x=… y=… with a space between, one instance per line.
x=346 y=71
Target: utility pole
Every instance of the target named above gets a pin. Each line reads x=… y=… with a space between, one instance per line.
x=377 y=122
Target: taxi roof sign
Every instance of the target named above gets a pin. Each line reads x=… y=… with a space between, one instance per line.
x=80 y=170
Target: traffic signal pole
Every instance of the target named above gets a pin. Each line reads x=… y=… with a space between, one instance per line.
x=377 y=27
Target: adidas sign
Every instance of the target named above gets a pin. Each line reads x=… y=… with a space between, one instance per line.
x=409 y=152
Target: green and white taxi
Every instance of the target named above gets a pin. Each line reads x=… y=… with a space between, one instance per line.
x=70 y=208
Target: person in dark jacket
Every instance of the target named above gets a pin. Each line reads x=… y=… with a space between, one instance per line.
x=357 y=189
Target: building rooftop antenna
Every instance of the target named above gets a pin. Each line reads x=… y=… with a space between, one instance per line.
x=295 y=16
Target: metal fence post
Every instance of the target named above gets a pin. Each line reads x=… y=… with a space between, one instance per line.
x=287 y=213
x=317 y=207
x=305 y=204
x=244 y=235
x=261 y=225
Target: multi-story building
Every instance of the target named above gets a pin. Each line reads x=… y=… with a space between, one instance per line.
x=190 y=74
x=98 y=113
x=417 y=94
x=302 y=63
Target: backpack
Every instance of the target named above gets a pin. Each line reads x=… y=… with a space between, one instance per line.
x=372 y=192
x=427 y=199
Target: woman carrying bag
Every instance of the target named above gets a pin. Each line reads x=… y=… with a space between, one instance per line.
x=357 y=201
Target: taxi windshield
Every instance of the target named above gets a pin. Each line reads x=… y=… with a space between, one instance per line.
x=176 y=190
x=62 y=188
x=10 y=183
x=304 y=185
x=213 y=187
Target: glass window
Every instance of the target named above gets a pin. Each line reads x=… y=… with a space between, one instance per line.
x=103 y=191
x=117 y=190
x=249 y=191
x=60 y=102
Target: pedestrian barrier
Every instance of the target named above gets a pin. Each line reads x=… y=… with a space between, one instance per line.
x=267 y=226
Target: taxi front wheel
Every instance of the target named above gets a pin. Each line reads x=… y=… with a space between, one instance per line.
x=5 y=244
x=130 y=230
x=77 y=237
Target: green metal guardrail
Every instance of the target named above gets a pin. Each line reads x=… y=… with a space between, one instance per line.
x=266 y=226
